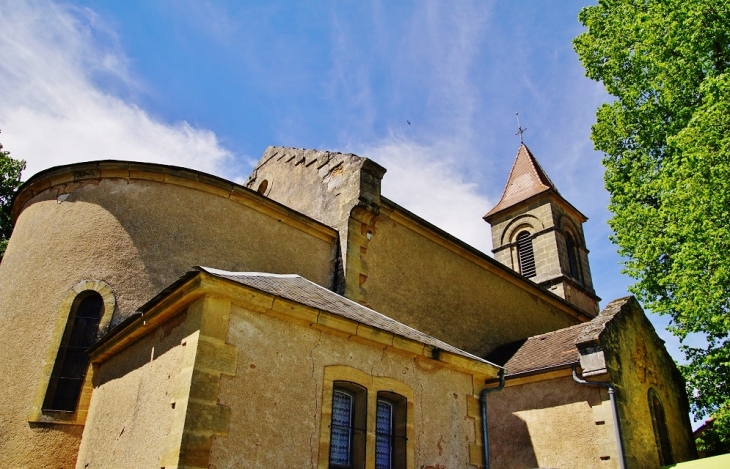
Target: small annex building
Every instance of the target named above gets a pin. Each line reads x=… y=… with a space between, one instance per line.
x=155 y=316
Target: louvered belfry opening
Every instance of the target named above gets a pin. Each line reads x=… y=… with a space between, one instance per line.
x=525 y=254
x=572 y=258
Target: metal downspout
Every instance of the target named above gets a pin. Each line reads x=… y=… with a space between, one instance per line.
x=614 y=409
x=483 y=406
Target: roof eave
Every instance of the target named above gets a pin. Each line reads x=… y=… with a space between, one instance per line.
x=195 y=284
x=492 y=214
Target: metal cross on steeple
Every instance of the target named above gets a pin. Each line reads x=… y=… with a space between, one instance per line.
x=520 y=130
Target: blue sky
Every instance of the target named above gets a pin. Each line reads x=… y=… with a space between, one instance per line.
x=210 y=85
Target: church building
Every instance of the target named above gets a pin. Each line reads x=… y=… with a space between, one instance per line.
x=153 y=316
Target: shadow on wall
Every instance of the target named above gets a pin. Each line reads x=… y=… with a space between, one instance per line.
x=148 y=349
x=516 y=450
x=550 y=420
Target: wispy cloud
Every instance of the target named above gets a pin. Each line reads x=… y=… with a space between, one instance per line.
x=428 y=56
x=58 y=63
x=427 y=182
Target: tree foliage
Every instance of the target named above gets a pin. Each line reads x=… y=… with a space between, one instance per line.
x=666 y=140
x=10 y=170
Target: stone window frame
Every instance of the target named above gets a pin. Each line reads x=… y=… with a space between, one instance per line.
x=78 y=417
x=373 y=387
x=358 y=422
x=395 y=438
x=569 y=230
x=525 y=222
x=525 y=253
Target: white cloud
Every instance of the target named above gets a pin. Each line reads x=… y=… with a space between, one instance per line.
x=426 y=180
x=54 y=111
x=428 y=54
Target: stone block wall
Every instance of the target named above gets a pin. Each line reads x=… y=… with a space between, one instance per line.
x=637 y=362
x=547 y=222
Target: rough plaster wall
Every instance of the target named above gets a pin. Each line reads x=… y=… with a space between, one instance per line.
x=546 y=424
x=130 y=412
x=276 y=396
x=138 y=237
x=637 y=360
x=47 y=255
x=419 y=283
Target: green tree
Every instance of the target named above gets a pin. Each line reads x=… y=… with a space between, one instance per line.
x=10 y=170
x=666 y=140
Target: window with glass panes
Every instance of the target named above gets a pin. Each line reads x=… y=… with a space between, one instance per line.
x=69 y=370
x=348 y=426
x=390 y=431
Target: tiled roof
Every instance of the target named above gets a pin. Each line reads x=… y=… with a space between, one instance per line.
x=526 y=179
x=296 y=288
x=592 y=330
x=540 y=352
x=557 y=348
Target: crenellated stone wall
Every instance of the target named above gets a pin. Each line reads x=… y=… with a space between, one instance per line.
x=324 y=185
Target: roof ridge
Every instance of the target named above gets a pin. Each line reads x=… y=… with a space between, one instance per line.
x=556 y=331
x=539 y=170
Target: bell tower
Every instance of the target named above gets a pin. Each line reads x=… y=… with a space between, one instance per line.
x=539 y=234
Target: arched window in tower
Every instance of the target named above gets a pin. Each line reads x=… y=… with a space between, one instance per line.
x=572 y=258
x=661 y=432
x=525 y=254
x=69 y=370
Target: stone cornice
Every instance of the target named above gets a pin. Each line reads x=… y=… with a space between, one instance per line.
x=70 y=177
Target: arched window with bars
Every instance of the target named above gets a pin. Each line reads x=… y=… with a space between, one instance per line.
x=349 y=426
x=390 y=431
x=525 y=254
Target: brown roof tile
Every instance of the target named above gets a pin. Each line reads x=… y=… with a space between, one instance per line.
x=557 y=348
x=526 y=179
x=540 y=352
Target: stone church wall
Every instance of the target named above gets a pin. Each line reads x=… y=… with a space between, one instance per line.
x=276 y=396
x=235 y=378
x=137 y=227
x=422 y=279
x=395 y=263
x=131 y=405
x=551 y=423
x=637 y=362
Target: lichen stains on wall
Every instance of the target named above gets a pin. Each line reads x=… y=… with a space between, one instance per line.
x=637 y=362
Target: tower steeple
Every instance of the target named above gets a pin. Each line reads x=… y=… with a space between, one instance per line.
x=538 y=233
